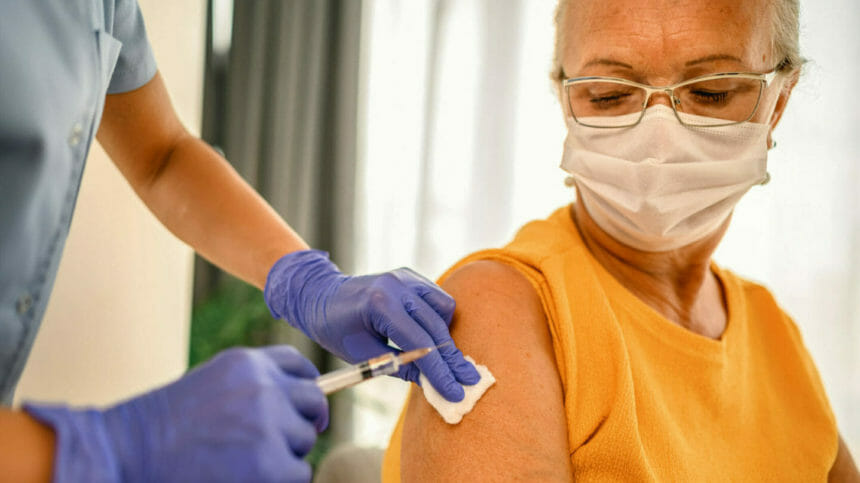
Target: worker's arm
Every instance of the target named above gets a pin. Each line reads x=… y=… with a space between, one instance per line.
x=200 y=198
x=26 y=448
x=189 y=187
x=844 y=469
x=518 y=428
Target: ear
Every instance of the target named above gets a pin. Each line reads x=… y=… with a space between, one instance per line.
x=781 y=102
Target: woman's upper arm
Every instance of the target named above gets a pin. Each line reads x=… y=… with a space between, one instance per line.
x=518 y=429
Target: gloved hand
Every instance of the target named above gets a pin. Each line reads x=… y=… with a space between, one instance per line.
x=246 y=415
x=353 y=317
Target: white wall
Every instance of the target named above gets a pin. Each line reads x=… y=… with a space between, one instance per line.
x=118 y=319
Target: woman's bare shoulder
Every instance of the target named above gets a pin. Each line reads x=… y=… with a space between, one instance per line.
x=518 y=429
x=493 y=295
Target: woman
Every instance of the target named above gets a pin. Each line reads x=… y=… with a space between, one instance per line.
x=621 y=352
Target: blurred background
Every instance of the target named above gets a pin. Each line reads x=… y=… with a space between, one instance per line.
x=411 y=133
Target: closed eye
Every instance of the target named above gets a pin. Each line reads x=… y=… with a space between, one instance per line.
x=608 y=100
x=710 y=97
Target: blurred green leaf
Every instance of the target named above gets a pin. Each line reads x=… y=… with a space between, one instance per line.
x=233 y=315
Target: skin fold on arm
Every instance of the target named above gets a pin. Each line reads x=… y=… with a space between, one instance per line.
x=518 y=430
x=190 y=188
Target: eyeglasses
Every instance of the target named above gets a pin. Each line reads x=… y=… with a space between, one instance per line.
x=707 y=101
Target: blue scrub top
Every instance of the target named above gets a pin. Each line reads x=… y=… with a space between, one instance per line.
x=58 y=59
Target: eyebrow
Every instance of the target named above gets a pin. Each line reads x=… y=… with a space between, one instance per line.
x=609 y=62
x=713 y=58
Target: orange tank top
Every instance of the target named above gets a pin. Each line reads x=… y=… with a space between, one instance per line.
x=647 y=400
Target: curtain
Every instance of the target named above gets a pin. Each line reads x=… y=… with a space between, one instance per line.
x=462 y=136
x=280 y=101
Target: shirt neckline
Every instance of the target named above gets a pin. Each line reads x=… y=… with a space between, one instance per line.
x=667 y=332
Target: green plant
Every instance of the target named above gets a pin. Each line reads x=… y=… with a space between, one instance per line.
x=233 y=315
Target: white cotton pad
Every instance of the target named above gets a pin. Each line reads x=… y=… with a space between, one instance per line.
x=451 y=412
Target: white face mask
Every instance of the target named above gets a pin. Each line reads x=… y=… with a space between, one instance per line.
x=661 y=185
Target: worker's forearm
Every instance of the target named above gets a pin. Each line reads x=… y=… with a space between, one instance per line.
x=26 y=448
x=199 y=197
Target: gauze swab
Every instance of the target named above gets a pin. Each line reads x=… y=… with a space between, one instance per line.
x=452 y=412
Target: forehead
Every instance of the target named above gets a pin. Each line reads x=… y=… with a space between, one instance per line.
x=662 y=36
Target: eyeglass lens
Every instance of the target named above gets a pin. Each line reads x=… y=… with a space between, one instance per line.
x=715 y=101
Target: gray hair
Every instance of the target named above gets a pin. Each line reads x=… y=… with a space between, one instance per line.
x=786 y=34
x=785 y=43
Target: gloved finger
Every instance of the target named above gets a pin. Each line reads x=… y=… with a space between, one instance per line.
x=268 y=458
x=426 y=316
x=291 y=361
x=410 y=277
x=361 y=346
x=442 y=303
x=392 y=321
x=463 y=371
x=409 y=372
x=307 y=398
x=299 y=433
x=440 y=376
x=298 y=471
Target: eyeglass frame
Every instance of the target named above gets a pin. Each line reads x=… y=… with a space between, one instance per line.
x=766 y=79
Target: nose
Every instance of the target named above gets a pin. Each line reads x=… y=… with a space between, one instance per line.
x=660 y=97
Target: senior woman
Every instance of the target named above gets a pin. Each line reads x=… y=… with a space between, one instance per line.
x=621 y=351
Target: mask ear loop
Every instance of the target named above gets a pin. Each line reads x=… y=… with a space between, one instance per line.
x=772 y=146
x=767 y=173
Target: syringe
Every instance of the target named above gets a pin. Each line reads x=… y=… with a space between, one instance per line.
x=378 y=366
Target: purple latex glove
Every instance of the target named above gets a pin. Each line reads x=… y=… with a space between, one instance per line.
x=354 y=317
x=246 y=415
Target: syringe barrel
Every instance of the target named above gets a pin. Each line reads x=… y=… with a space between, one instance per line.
x=384 y=365
x=352 y=375
x=339 y=379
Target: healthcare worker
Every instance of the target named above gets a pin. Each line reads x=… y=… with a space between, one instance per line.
x=75 y=70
